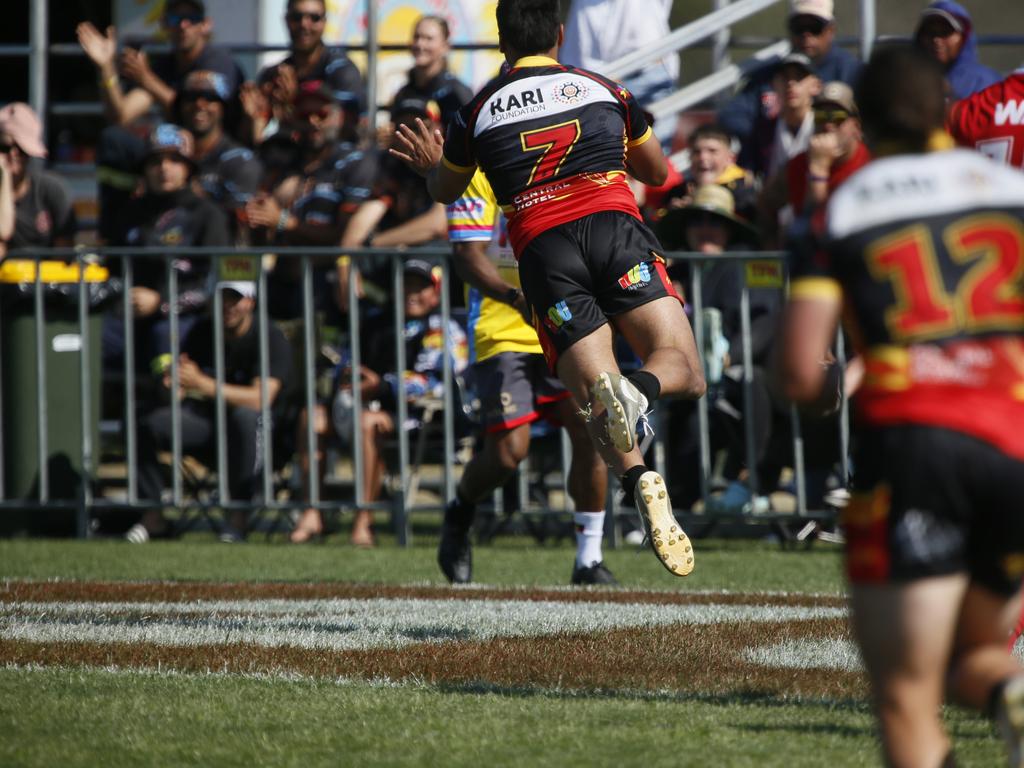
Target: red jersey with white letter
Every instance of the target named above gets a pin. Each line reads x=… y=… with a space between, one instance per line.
x=992 y=120
x=552 y=140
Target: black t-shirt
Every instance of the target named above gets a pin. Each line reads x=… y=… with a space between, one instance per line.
x=334 y=68
x=179 y=219
x=337 y=186
x=229 y=175
x=242 y=356
x=450 y=93
x=44 y=214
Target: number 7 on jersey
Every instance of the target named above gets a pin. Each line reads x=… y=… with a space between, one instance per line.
x=554 y=142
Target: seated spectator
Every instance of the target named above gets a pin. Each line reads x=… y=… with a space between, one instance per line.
x=268 y=102
x=197 y=392
x=158 y=82
x=709 y=225
x=992 y=120
x=429 y=79
x=790 y=133
x=598 y=32
x=314 y=205
x=380 y=387
x=400 y=210
x=713 y=161
x=812 y=30
x=35 y=210
x=227 y=173
x=836 y=151
x=168 y=213
x=945 y=32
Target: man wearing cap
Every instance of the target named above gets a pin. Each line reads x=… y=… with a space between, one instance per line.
x=992 y=120
x=945 y=32
x=168 y=213
x=309 y=62
x=35 y=210
x=836 y=151
x=198 y=391
x=313 y=205
x=812 y=30
x=400 y=210
x=189 y=30
x=228 y=173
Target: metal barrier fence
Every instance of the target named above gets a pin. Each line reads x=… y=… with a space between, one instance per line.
x=85 y=502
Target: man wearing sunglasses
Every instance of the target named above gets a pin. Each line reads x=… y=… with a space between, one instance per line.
x=228 y=173
x=147 y=83
x=309 y=60
x=812 y=30
x=836 y=151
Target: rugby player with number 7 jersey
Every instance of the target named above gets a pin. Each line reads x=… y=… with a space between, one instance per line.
x=922 y=254
x=556 y=144
x=992 y=120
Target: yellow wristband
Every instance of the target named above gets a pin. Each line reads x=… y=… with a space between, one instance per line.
x=343 y=261
x=109 y=83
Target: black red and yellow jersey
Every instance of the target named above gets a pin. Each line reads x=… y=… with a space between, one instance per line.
x=552 y=140
x=927 y=252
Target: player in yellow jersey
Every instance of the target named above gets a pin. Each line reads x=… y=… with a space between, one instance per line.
x=515 y=388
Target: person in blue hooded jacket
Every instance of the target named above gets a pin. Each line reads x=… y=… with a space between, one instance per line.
x=750 y=114
x=945 y=32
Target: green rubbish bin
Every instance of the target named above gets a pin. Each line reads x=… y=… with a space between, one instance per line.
x=22 y=390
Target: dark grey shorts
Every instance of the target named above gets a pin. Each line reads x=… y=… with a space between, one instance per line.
x=515 y=388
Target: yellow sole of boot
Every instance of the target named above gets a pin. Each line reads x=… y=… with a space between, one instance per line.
x=669 y=540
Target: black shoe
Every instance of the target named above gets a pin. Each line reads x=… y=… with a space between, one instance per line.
x=454 y=553
x=595 y=573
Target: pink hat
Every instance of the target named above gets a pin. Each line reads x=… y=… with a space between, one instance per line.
x=18 y=120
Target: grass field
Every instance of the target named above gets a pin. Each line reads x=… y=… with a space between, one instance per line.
x=196 y=653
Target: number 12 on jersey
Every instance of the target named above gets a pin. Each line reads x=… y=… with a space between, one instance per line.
x=554 y=143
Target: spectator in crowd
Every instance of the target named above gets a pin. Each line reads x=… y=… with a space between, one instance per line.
x=709 y=225
x=992 y=120
x=598 y=32
x=380 y=387
x=782 y=139
x=812 y=30
x=198 y=391
x=945 y=32
x=147 y=84
x=713 y=161
x=310 y=61
x=429 y=79
x=168 y=213
x=836 y=151
x=228 y=173
x=400 y=210
x=35 y=210
x=314 y=205
x=158 y=82
x=515 y=389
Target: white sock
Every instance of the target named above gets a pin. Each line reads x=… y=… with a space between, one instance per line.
x=589 y=532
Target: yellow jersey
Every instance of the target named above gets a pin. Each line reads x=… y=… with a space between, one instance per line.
x=494 y=326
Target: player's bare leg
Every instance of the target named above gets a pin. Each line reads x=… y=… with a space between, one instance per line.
x=579 y=368
x=906 y=635
x=984 y=674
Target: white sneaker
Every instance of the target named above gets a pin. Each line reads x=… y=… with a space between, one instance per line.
x=625 y=404
x=668 y=539
x=137 y=534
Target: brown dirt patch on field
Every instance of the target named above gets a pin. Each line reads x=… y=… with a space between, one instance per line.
x=96 y=591
x=705 y=659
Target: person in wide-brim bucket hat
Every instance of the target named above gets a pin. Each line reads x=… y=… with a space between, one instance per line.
x=711 y=203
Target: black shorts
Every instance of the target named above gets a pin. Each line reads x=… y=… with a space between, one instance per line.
x=514 y=388
x=928 y=502
x=578 y=274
